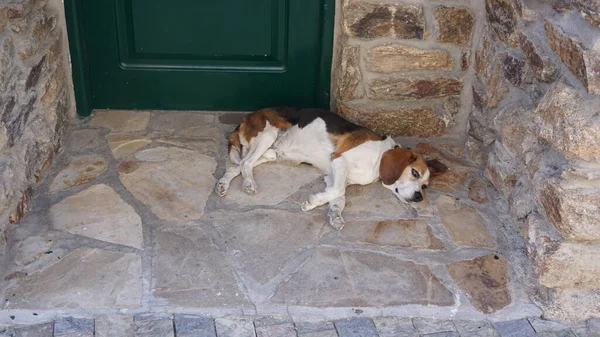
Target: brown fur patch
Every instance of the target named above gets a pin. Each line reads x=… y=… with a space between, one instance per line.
x=348 y=141
x=394 y=162
x=234 y=141
x=256 y=122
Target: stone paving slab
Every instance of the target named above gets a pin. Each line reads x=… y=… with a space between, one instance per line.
x=194 y=326
x=114 y=326
x=516 y=328
x=356 y=327
x=74 y=327
x=395 y=327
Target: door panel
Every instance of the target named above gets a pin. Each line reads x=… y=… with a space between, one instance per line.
x=203 y=54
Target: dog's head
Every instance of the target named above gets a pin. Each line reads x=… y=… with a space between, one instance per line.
x=406 y=173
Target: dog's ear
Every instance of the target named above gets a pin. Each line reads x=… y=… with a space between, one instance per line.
x=436 y=167
x=393 y=162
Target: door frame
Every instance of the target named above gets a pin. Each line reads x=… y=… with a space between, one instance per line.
x=80 y=65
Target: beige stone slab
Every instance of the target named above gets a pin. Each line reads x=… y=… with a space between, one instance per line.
x=208 y=147
x=83 y=279
x=173 y=183
x=121 y=120
x=99 y=213
x=124 y=144
x=401 y=233
x=80 y=171
x=463 y=223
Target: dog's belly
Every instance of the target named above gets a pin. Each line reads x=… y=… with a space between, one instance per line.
x=310 y=145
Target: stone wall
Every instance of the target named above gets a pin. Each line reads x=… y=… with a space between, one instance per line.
x=35 y=99
x=536 y=112
x=403 y=68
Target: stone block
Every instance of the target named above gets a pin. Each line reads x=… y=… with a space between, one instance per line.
x=485 y=280
x=349 y=78
x=80 y=171
x=74 y=327
x=463 y=223
x=391 y=119
x=401 y=233
x=484 y=55
x=395 y=327
x=3 y=239
x=279 y=330
x=568 y=121
x=121 y=120
x=572 y=305
x=356 y=327
x=502 y=19
x=33 y=33
x=497 y=87
x=194 y=326
x=6 y=61
x=580 y=261
x=37 y=330
x=124 y=144
x=475 y=328
x=368 y=21
x=154 y=326
x=515 y=68
x=477 y=191
x=581 y=61
x=572 y=207
x=395 y=57
x=455 y=24
x=429 y=326
x=515 y=328
x=544 y=69
x=235 y=327
x=114 y=326
x=316 y=329
x=413 y=88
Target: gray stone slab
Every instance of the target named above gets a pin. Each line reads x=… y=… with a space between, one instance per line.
x=316 y=329
x=443 y=334
x=235 y=327
x=194 y=326
x=584 y=332
x=395 y=327
x=564 y=333
x=154 y=326
x=172 y=121
x=264 y=241
x=280 y=330
x=515 y=328
x=593 y=324
x=271 y=320
x=173 y=183
x=121 y=120
x=475 y=328
x=190 y=271
x=83 y=279
x=375 y=202
x=84 y=139
x=114 y=326
x=356 y=327
x=542 y=325
x=36 y=330
x=74 y=327
x=99 y=213
x=429 y=326
x=80 y=171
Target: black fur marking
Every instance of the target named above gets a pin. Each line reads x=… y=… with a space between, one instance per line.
x=335 y=124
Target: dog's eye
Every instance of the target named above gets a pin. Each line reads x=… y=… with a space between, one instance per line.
x=396 y=190
x=424 y=186
x=415 y=173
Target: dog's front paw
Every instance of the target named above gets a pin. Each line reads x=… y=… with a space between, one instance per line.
x=307 y=206
x=221 y=188
x=335 y=219
x=249 y=186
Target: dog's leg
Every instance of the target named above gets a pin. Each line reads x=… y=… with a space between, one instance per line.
x=336 y=206
x=258 y=147
x=234 y=170
x=339 y=171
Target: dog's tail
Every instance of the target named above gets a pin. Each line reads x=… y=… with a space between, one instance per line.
x=234 y=147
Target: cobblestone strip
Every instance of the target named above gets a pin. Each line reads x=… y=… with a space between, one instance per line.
x=163 y=325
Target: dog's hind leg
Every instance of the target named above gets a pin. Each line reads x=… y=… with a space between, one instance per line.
x=257 y=154
x=336 y=207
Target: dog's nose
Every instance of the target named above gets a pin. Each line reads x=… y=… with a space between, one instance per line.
x=418 y=196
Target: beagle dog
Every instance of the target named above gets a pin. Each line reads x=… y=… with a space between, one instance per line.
x=345 y=152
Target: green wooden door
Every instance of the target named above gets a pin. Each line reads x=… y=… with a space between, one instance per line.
x=202 y=54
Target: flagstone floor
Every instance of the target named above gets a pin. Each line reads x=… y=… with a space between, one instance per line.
x=126 y=221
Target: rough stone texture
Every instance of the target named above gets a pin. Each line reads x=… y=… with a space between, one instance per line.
x=464 y=224
x=154 y=326
x=573 y=305
x=583 y=63
x=191 y=272
x=265 y=240
x=402 y=233
x=194 y=326
x=73 y=327
x=37 y=330
x=84 y=140
x=368 y=21
x=334 y=278
x=395 y=327
x=475 y=329
x=544 y=69
x=451 y=180
x=485 y=53
x=428 y=325
x=204 y=146
x=114 y=326
x=410 y=89
x=32 y=248
x=169 y=122
x=234 y=327
x=124 y=144
x=395 y=120
x=516 y=328
x=35 y=105
x=121 y=120
x=79 y=171
x=455 y=24
x=569 y=122
x=174 y=183
x=280 y=330
x=502 y=18
x=579 y=259
x=477 y=191
x=356 y=327
x=99 y=213
x=396 y=57
x=573 y=208
x=485 y=280
x=349 y=80
x=316 y=329
x=90 y=278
